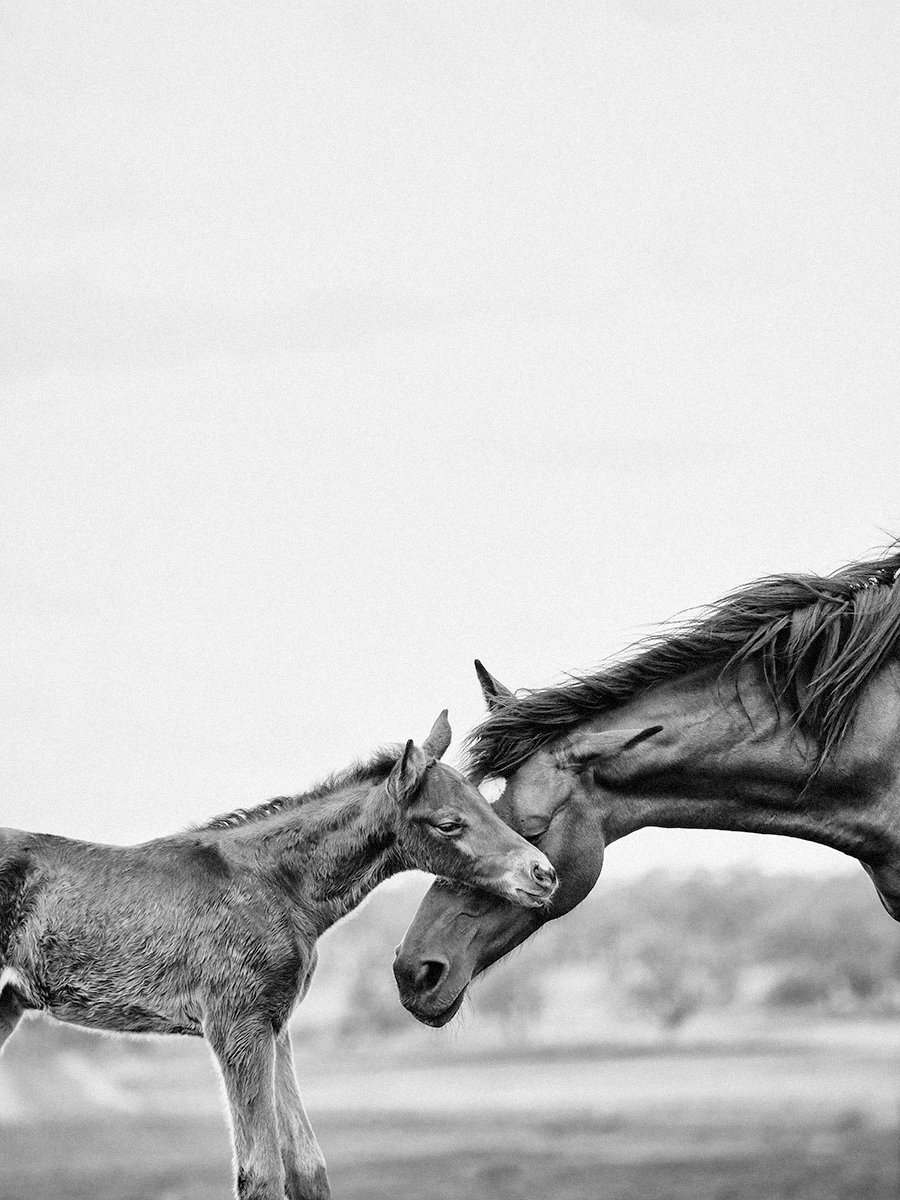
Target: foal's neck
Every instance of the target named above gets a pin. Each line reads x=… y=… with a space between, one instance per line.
x=326 y=854
x=728 y=763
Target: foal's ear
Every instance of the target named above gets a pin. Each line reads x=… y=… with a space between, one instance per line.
x=595 y=748
x=435 y=745
x=493 y=690
x=407 y=773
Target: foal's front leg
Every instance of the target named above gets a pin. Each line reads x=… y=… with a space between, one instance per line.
x=245 y=1050
x=304 y=1164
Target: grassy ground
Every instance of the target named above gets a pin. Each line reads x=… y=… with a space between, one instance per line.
x=771 y=1122
x=460 y=1159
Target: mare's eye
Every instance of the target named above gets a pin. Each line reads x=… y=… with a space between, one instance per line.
x=535 y=826
x=535 y=831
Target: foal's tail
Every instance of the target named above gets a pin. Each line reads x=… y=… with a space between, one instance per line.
x=11 y=1009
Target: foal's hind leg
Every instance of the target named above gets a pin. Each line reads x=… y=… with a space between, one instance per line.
x=10 y=1011
x=304 y=1164
x=246 y=1053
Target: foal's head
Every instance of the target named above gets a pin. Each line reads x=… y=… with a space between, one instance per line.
x=448 y=828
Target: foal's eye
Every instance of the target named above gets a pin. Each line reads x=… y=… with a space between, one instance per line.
x=449 y=828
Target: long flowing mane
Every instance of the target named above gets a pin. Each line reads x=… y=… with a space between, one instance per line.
x=375 y=770
x=818 y=640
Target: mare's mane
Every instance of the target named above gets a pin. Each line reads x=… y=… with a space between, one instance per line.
x=818 y=640
x=374 y=771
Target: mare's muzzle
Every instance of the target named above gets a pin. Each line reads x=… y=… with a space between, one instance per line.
x=442 y=950
x=426 y=988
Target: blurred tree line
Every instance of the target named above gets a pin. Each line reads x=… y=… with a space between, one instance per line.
x=661 y=947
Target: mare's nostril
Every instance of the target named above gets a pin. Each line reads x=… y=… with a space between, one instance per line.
x=430 y=974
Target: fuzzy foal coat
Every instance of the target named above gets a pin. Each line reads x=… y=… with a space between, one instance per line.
x=212 y=932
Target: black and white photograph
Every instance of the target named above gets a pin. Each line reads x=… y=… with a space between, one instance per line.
x=450 y=600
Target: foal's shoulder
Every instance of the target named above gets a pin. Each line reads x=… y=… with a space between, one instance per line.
x=188 y=852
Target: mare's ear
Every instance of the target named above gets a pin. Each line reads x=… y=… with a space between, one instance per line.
x=595 y=748
x=435 y=745
x=407 y=774
x=493 y=690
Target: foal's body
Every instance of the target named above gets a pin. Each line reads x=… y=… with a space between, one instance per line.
x=213 y=932
x=227 y=956
x=83 y=952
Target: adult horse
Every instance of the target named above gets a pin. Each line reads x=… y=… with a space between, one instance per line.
x=776 y=711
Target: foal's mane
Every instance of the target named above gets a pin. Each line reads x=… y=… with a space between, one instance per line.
x=818 y=640
x=374 y=771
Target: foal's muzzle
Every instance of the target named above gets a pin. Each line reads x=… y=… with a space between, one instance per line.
x=531 y=883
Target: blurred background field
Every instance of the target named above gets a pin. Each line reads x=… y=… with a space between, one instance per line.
x=721 y=1036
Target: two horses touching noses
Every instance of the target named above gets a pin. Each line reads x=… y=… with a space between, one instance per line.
x=212 y=932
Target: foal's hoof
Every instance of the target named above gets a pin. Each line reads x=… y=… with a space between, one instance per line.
x=310 y=1187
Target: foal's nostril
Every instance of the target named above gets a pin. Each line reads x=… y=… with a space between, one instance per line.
x=430 y=974
x=545 y=876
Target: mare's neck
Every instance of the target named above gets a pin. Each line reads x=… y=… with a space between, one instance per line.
x=325 y=854
x=724 y=763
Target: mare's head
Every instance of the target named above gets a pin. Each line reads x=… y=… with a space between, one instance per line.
x=455 y=935
x=448 y=828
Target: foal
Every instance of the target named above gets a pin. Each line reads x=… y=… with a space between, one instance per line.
x=213 y=932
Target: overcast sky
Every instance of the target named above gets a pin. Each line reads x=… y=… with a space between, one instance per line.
x=342 y=343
